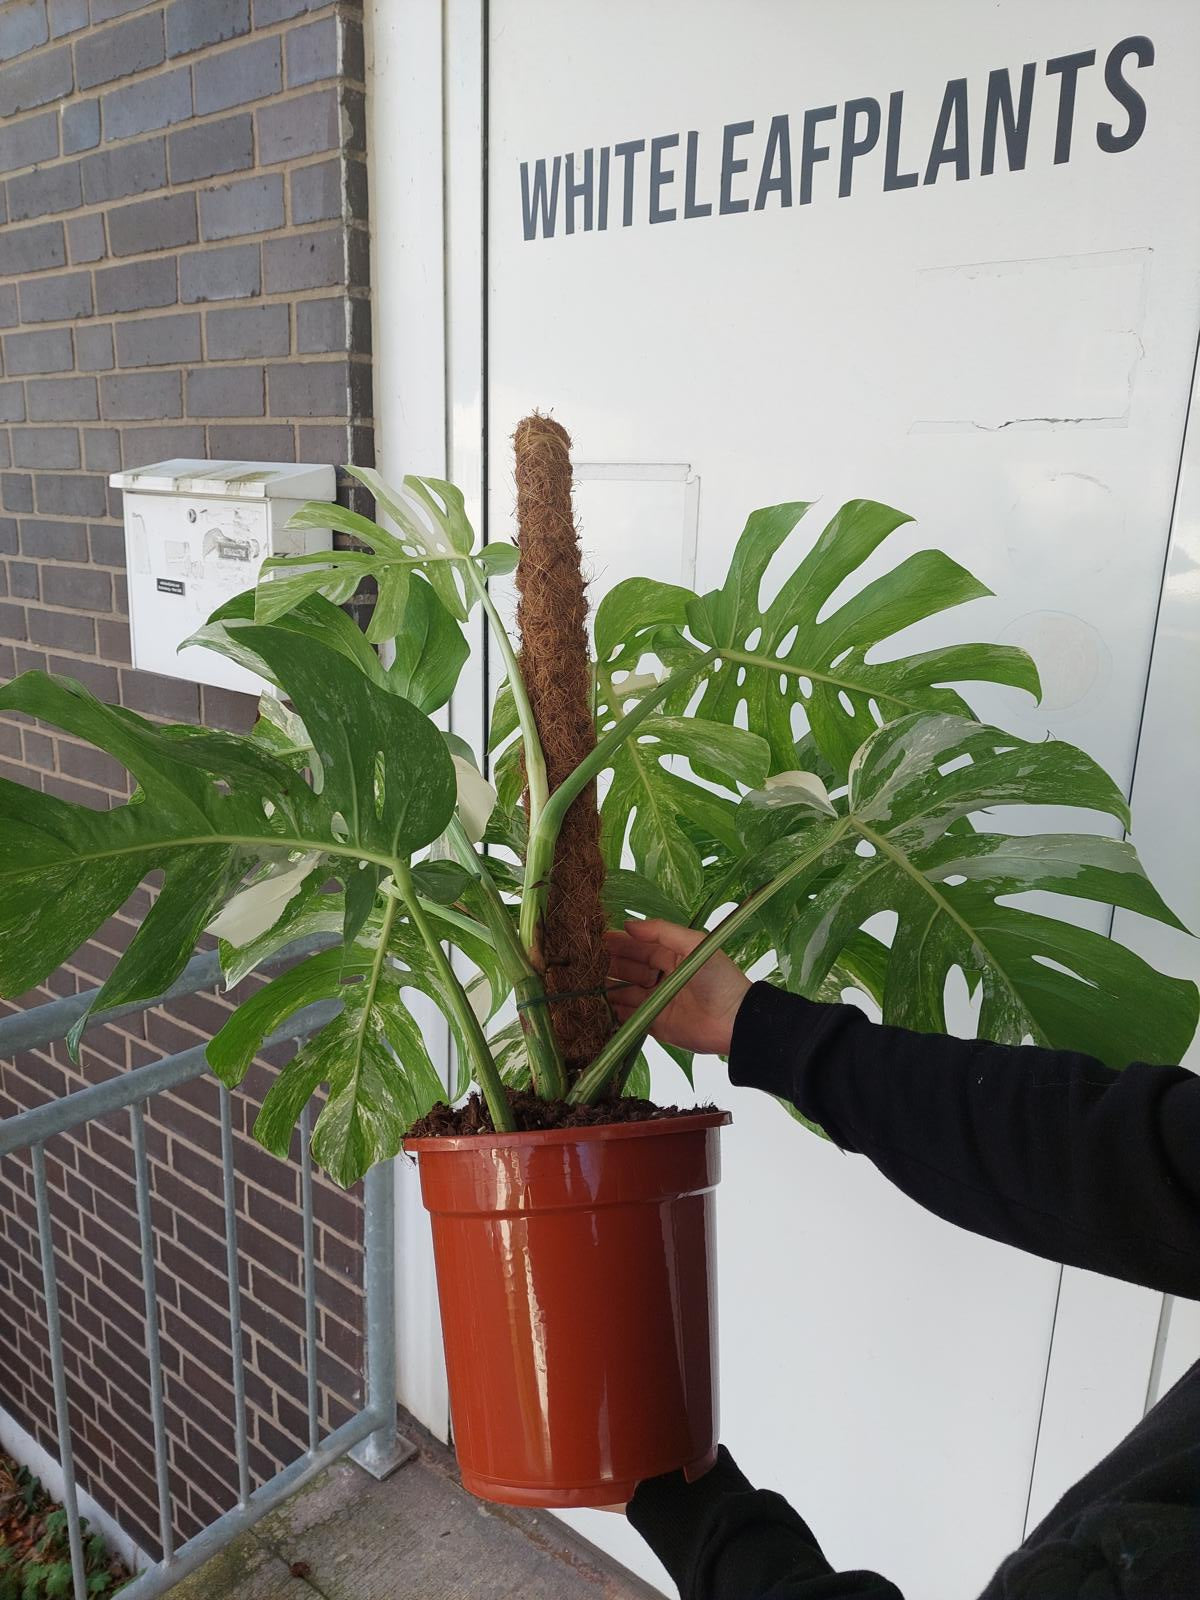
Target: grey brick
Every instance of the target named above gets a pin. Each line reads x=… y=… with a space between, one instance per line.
x=62 y=400
x=310 y=261
x=33 y=249
x=42 y=540
x=23 y=26
x=225 y=392
x=159 y=341
x=254 y=205
x=133 y=169
x=12 y=625
x=268 y=11
x=119 y=52
x=45 y=447
x=8 y=536
x=237 y=77
x=44 y=190
x=8 y=305
x=309 y=389
x=16 y=491
x=232 y=273
x=106 y=10
x=60 y=299
x=356 y=189
x=85 y=238
x=94 y=348
x=78 y=588
x=63 y=630
x=71 y=494
x=249 y=441
x=141 y=396
x=67 y=16
x=191 y=26
x=108 y=545
x=312 y=52
x=102 y=449
x=28 y=141
x=36 y=82
x=300 y=127
x=317 y=192
x=23 y=580
x=211 y=148
x=5 y=449
x=136 y=285
x=148 y=103
x=157 y=224
x=323 y=326
x=354 y=105
x=247 y=331
x=142 y=445
x=80 y=126
x=12 y=402
x=48 y=350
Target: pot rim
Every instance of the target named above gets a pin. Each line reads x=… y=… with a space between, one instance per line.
x=456 y=1143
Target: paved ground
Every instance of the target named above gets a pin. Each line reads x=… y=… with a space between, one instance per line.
x=417 y=1536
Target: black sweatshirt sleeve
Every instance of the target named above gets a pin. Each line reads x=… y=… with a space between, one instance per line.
x=721 y=1539
x=1042 y=1149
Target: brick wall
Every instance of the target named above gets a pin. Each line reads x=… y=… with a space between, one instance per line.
x=183 y=272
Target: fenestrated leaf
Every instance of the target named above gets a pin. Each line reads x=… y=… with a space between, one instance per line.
x=443 y=881
x=312 y=910
x=1043 y=979
x=772 y=656
x=210 y=806
x=649 y=799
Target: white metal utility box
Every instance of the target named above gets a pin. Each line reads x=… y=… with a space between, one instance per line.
x=197 y=533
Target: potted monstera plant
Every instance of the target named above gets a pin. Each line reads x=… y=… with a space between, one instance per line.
x=770 y=773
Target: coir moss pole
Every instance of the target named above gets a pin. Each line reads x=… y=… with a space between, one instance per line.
x=556 y=666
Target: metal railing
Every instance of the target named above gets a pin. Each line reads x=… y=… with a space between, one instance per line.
x=370 y=1437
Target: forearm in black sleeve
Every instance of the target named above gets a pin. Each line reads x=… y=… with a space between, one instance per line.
x=1043 y=1149
x=722 y=1539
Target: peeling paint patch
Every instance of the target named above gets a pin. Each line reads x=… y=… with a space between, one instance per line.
x=1048 y=343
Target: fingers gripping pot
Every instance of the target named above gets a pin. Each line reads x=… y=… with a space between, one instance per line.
x=576 y=1276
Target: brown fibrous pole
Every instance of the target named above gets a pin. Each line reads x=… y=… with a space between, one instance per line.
x=556 y=665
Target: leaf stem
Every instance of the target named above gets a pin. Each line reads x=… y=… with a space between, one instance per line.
x=545 y=1058
x=543 y=835
x=470 y=1029
x=591 y=1084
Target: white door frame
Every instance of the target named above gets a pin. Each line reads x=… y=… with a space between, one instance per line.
x=425 y=143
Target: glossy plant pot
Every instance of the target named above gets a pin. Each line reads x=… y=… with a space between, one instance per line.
x=576 y=1275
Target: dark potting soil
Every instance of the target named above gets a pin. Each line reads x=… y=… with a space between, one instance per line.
x=533 y=1115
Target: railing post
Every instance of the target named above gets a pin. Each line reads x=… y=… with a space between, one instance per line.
x=385 y=1449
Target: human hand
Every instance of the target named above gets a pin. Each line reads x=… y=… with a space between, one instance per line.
x=700 y=1017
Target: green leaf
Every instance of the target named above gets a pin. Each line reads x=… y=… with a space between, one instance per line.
x=442 y=881
x=499 y=559
x=210 y=807
x=1042 y=979
x=649 y=800
x=637 y=1083
x=430 y=648
x=774 y=656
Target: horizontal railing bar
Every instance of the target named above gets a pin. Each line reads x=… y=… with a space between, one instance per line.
x=158 y=1579
x=29 y=1030
x=114 y=1094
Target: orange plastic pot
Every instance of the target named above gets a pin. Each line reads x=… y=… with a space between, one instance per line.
x=576 y=1275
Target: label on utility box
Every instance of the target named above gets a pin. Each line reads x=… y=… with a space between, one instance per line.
x=169 y=586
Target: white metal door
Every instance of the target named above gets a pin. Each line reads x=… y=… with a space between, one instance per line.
x=1006 y=354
